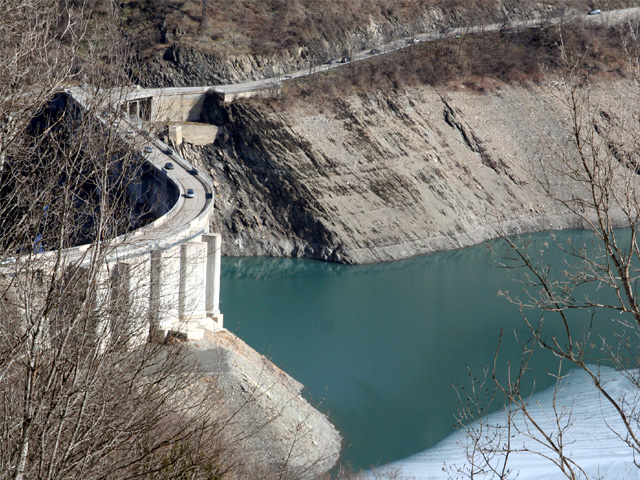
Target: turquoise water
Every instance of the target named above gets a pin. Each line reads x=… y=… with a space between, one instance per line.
x=381 y=346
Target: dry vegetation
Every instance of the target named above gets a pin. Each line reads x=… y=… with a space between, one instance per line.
x=480 y=62
x=84 y=394
x=269 y=26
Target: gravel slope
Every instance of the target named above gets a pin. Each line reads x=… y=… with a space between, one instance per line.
x=266 y=412
x=382 y=177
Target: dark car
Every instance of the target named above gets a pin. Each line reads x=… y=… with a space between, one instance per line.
x=190 y=193
x=169 y=166
x=373 y=51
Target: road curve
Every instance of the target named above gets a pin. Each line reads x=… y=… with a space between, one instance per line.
x=612 y=16
x=189 y=216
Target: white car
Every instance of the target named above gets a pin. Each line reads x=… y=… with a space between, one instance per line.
x=597 y=11
x=190 y=193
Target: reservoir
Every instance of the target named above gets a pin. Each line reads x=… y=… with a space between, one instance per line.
x=381 y=347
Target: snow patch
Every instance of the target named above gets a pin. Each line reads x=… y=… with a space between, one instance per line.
x=589 y=423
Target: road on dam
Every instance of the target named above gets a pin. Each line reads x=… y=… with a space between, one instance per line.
x=187 y=210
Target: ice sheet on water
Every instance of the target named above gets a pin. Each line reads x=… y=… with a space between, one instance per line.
x=589 y=438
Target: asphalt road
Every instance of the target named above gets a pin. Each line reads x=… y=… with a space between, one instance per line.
x=185 y=176
x=612 y=16
x=188 y=209
x=175 y=224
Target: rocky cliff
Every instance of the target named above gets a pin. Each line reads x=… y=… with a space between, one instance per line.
x=385 y=176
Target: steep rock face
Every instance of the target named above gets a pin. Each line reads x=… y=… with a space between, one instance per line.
x=182 y=65
x=383 y=176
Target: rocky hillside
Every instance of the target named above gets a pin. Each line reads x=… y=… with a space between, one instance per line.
x=384 y=176
x=189 y=43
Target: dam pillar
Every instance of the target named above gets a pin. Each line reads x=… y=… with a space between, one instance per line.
x=120 y=300
x=164 y=293
x=191 y=298
x=154 y=296
x=184 y=292
x=175 y=134
x=212 y=287
x=101 y=304
x=129 y=309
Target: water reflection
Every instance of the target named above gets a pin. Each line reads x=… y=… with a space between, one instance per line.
x=260 y=268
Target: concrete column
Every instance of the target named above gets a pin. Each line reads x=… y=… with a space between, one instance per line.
x=214 y=257
x=121 y=285
x=140 y=286
x=164 y=292
x=129 y=299
x=214 y=249
x=175 y=134
x=120 y=300
x=102 y=306
x=155 y=291
x=193 y=262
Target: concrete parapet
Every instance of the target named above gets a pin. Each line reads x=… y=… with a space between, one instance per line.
x=228 y=97
x=164 y=292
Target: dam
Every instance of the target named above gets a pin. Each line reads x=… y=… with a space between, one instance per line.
x=168 y=268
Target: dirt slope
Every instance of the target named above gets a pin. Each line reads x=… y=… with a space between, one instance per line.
x=265 y=413
x=380 y=177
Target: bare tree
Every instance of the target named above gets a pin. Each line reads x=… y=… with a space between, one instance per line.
x=595 y=287
x=84 y=395
x=84 y=391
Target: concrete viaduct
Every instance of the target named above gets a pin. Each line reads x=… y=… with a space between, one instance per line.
x=170 y=267
x=181 y=108
x=168 y=270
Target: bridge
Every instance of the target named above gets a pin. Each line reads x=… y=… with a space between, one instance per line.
x=171 y=267
x=181 y=107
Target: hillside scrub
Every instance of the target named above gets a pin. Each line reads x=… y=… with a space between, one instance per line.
x=314 y=30
x=481 y=62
